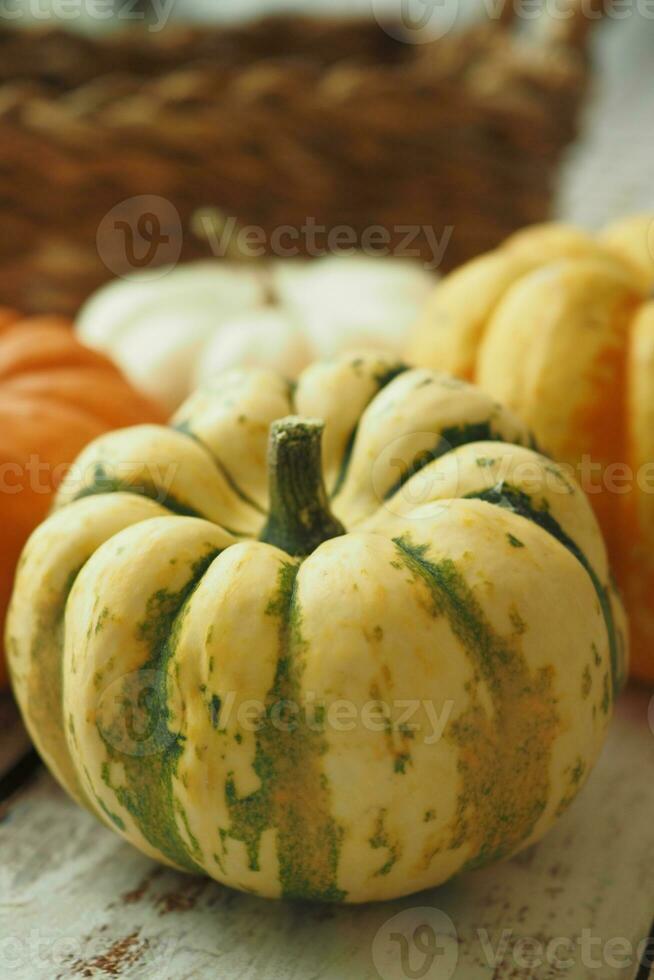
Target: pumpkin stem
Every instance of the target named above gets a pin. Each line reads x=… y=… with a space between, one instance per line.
x=300 y=518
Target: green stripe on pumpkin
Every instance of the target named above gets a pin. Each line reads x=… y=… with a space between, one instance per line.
x=452 y=437
x=382 y=379
x=504 y=760
x=294 y=796
x=185 y=429
x=518 y=502
x=146 y=785
x=103 y=483
x=45 y=680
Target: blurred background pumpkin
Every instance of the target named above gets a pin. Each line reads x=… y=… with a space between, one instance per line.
x=557 y=325
x=55 y=396
x=171 y=334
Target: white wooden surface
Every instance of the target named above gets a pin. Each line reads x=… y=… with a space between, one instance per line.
x=76 y=901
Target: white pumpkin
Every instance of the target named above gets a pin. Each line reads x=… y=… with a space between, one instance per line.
x=174 y=332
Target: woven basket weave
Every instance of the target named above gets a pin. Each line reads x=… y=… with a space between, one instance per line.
x=273 y=122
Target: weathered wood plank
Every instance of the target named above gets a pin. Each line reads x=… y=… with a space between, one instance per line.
x=78 y=902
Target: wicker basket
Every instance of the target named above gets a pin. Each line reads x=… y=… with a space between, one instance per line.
x=273 y=122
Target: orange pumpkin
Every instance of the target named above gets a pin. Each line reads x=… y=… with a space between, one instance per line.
x=55 y=396
x=559 y=326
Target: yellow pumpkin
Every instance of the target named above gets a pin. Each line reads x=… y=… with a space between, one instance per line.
x=340 y=670
x=557 y=325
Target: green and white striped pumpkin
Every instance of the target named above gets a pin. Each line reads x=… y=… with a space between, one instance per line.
x=205 y=632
